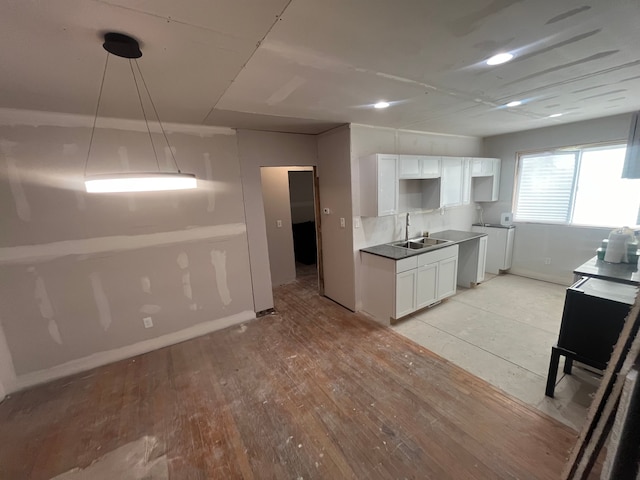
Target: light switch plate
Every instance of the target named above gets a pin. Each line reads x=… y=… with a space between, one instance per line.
x=342 y=222
x=148 y=322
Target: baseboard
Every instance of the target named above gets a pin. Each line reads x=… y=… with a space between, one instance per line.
x=560 y=280
x=110 y=356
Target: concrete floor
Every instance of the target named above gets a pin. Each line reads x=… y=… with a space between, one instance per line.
x=502 y=331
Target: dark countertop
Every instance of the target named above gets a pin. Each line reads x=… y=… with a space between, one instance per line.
x=615 y=272
x=396 y=253
x=493 y=225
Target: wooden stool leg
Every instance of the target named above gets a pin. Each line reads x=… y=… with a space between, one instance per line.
x=553 y=371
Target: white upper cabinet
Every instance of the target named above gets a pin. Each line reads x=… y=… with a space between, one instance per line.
x=418 y=166
x=466 y=182
x=452 y=181
x=485 y=173
x=378 y=185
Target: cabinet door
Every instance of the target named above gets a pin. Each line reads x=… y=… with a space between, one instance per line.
x=427 y=285
x=447 y=277
x=387 y=185
x=466 y=181
x=405 y=293
x=482 y=167
x=409 y=166
x=495 y=191
x=451 y=182
x=482 y=259
x=430 y=167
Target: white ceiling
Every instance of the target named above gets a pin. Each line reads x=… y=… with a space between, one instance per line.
x=307 y=65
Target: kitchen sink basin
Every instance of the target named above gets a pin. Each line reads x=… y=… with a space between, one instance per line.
x=421 y=243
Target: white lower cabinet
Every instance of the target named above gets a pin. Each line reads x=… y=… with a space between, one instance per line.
x=392 y=289
x=406 y=283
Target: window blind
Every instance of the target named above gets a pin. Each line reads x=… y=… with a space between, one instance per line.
x=545 y=187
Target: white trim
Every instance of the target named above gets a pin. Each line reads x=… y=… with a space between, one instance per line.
x=421 y=132
x=110 y=356
x=117 y=243
x=33 y=118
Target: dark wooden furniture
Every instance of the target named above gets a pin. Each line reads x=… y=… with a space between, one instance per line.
x=593 y=316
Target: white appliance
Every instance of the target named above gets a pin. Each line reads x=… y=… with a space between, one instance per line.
x=499 y=245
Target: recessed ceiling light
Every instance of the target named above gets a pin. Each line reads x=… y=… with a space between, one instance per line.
x=555 y=115
x=500 y=58
x=381 y=104
x=515 y=103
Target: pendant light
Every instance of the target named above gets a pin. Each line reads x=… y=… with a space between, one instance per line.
x=127 y=47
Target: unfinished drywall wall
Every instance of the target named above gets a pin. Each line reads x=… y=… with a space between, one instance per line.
x=277 y=215
x=79 y=272
x=7 y=372
x=566 y=247
x=334 y=172
x=366 y=140
x=266 y=149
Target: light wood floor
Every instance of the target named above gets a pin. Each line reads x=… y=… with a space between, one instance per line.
x=312 y=392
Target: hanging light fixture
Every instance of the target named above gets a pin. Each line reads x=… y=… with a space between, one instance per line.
x=127 y=47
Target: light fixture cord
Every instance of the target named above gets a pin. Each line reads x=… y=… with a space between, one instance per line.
x=144 y=114
x=158 y=117
x=95 y=117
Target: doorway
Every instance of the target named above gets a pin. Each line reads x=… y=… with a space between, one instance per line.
x=292 y=214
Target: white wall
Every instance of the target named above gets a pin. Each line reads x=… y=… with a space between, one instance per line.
x=277 y=206
x=79 y=272
x=366 y=140
x=266 y=149
x=7 y=372
x=334 y=172
x=566 y=246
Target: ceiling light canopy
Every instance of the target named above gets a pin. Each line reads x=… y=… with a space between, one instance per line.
x=514 y=103
x=382 y=104
x=500 y=58
x=127 y=47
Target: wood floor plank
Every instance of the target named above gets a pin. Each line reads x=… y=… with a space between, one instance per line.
x=314 y=391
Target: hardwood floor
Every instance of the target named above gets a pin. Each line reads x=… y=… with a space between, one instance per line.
x=311 y=392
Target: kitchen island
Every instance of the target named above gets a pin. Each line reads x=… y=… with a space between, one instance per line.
x=614 y=272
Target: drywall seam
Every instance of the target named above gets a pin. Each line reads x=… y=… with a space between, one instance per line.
x=46 y=309
x=47 y=251
x=17 y=191
x=110 y=356
x=219 y=262
x=102 y=302
x=211 y=193
x=33 y=118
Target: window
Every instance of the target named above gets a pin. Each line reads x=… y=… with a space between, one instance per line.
x=581 y=186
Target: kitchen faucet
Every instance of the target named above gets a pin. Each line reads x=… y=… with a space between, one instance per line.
x=406 y=228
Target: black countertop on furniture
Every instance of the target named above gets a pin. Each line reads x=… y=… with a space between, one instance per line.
x=398 y=253
x=615 y=272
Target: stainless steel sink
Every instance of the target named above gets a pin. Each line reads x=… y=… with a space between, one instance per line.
x=421 y=243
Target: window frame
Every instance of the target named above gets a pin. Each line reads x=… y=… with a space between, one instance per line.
x=551 y=151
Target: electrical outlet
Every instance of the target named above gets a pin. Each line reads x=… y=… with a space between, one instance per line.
x=326 y=211
x=279 y=223
x=342 y=222
x=148 y=322
x=547 y=261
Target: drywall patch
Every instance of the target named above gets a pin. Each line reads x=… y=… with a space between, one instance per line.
x=211 y=194
x=219 y=262
x=133 y=461
x=183 y=260
x=19 y=198
x=186 y=285
x=46 y=309
x=104 y=311
x=50 y=251
x=150 y=309
x=146 y=284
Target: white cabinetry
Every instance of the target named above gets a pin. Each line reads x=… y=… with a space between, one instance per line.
x=395 y=288
x=378 y=185
x=472 y=259
x=500 y=248
x=418 y=166
x=452 y=181
x=485 y=173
